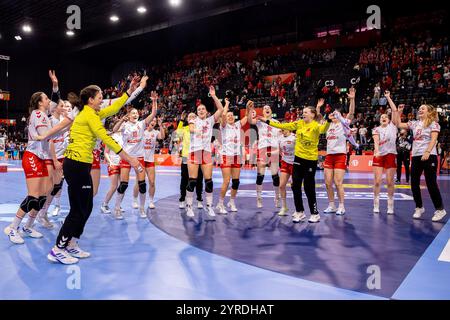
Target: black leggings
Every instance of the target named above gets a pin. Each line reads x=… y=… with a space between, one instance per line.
x=79 y=185
x=429 y=168
x=403 y=158
x=304 y=172
x=185 y=179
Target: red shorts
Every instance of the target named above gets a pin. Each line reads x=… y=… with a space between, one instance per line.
x=96 y=162
x=49 y=162
x=233 y=162
x=286 y=167
x=125 y=165
x=149 y=164
x=113 y=170
x=388 y=161
x=267 y=155
x=200 y=157
x=335 y=161
x=33 y=166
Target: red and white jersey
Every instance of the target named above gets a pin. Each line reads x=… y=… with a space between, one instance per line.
x=287 y=148
x=231 y=139
x=388 y=138
x=267 y=136
x=422 y=137
x=201 y=138
x=115 y=158
x=38 y=125
x=133 y=138
x=61 y=141
x=336 y=138
x=150 y=138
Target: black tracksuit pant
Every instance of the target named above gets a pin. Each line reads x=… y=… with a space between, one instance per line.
x=304 y=172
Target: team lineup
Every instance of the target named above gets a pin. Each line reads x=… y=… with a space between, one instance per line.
x=67 y=137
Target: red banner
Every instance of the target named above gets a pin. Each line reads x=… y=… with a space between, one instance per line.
x=286 y=78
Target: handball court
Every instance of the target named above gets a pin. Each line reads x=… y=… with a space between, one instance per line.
x=251 y=254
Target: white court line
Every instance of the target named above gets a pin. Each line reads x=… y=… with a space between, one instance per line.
x=445 y=254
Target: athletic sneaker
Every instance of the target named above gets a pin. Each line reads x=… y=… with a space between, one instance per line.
x=221 y=209
x=298 y=216
x=418 y=212
x=232 y=206
x=210 y=212
x=190 y=212
x=62 y=256
x=314 y=218
x=200 y=205
x=182 y=205
x=283 y=212
x=142 y=213
x=259 y=203
x=76 y=252
x=151 y=205
x=30 y=232
x=330 y=209
x=56 y=211
x=105 y=209
x=14 y=235
x=438 y=215
x=390 y=209
x=118 y=214
x=135 y=204
x=340 y=211
x=43 y=221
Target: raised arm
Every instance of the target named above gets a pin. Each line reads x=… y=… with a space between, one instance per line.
x=152 y=115
x=162 y=131
x=249 y=109
x=319 y=105
x=352 y=98
x=244 y=120
x=219 y=106
x=119 y=123
x=395 y=112
x=291 y=126
x=117 y=104
x=223 y=118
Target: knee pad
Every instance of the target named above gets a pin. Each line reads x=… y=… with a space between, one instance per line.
x=191 y=185
x=142 y=187
x=42 y=200
x=56 y=188
x=235 y=184
x=29 y=203
x=259 y=179
x=122 y=187
x=276 y=180
x=209 y=185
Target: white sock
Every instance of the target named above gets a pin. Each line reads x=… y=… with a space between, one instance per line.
x=232 y=201
x=151 y=199
x=258 y=191
x=209 y=199
x=341 y=206
x=277 y=192
x=16 y=222
x=189 y=198
x=284 y=202
x=142 y=200
x=221 y=201
x=30 y=221
x=119 y=199
x=135 y=200
x=331 y=205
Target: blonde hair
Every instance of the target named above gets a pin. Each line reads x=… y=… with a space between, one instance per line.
x=314 y=111
x=431 y=115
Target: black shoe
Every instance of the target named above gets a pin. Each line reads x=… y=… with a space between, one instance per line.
x=397 y=181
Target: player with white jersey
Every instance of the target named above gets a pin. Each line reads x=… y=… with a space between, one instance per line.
x=201 y=129
x=385 y=157
x=424 y=156
x=113 y=161
x=268 y=154
x=231 y=151
x=151 y=136
x=133 y=143
x=336 y=159
x=287 y=150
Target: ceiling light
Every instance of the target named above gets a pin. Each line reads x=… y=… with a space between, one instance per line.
x=26 y=28
x=18 y=38
x=70 y=33
x=114 y=18
x=174 y=3
x=142 y=9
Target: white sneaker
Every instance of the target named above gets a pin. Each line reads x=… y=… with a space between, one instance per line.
x=135 y=204
x=56 y=211
x=182 y=205
x=340 y=211
x=210 y=212
x=14 y=235
x=62 y=256
x=221 y=209
x=314 y=218
x=298 y=216
x=376 y=206
x=438 y=215
x=259 y=203
x=283 y=212
x=330 y=209
x=189 y=211
x=76 y=252
x=199 y=205
x=142 y=213
x=105 y=209
x=151 y=205
x=390 y=209
x=277 y=202
x=118 y=214
x=44 y=222
x=30 y=232
x=232 y=206
x=418 y=212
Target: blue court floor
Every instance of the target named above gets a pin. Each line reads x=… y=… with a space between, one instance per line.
x=252 y=254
